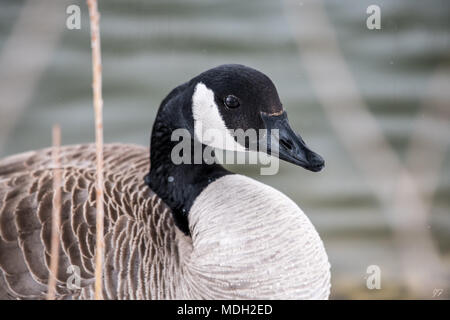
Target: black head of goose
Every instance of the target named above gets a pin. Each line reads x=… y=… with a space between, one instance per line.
x=223 y=99
x=192 y=230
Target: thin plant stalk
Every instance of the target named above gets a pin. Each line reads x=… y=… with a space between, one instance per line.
x=56 y=213
x=98 y=106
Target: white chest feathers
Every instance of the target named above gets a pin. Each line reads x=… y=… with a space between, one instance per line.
x=250 y=241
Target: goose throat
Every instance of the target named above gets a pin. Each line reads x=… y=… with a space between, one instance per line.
x=178 y=185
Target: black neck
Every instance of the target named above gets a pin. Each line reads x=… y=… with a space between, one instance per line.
x=177 y=185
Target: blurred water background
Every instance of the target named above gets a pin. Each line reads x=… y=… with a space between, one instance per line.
x=374 y=103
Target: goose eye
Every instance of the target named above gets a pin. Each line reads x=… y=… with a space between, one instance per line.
x=231 y=101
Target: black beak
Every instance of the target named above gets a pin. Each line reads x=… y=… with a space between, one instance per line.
x=285 y=144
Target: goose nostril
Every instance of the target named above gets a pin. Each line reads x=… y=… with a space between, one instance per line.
x=286 y=143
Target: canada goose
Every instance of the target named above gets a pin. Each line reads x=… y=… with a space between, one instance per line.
x=198 y=232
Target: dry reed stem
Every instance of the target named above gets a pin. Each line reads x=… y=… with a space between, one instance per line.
x=98 y=106
x=56 y=213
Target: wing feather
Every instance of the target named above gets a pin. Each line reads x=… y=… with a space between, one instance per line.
x=26 y=201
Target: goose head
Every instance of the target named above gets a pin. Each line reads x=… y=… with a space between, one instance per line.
x=235 y=98
x=211 y=107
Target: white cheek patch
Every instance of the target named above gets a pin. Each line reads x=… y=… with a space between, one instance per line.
x=209 y=126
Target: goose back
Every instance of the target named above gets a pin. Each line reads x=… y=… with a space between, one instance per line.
x=140 y=245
